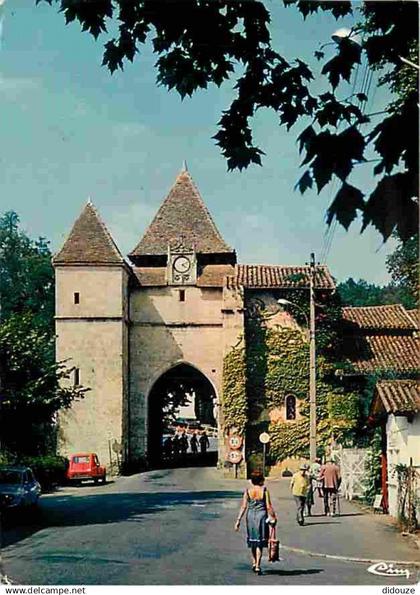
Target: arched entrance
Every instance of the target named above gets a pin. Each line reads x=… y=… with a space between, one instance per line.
x=182 y=404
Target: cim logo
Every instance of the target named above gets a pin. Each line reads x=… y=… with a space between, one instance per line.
x=385 y=569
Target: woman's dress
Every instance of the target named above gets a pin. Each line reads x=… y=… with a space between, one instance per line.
x=256 y=521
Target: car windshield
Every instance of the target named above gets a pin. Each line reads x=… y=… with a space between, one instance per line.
x=10 y=476
x=80 y=459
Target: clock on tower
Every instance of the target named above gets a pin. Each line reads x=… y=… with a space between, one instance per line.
x=182 y=265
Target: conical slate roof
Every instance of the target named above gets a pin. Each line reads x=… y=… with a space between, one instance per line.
x=89 y=242
x=183 y=215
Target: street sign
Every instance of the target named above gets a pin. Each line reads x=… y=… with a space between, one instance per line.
x=264 y=438
x=235 y=442
x=235 y=456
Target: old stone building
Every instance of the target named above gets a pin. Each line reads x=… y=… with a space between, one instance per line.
x=167 y=315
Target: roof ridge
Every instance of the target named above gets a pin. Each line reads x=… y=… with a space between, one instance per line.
x=182 y=199
x=83 y=243
x=108 y=234
x=186 y=172
x=377 y=306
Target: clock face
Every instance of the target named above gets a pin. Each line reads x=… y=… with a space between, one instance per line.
x=182 y=264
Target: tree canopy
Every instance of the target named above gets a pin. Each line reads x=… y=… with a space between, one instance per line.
x=26 y=273
x=203 y=42
x=402 y=264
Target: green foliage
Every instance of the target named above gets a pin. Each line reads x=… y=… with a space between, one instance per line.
x=234 y=400
x=33 y=385
x=26 y=274
x=362 y=293
x=236 y=43
x=403 y=265
x=277 y=364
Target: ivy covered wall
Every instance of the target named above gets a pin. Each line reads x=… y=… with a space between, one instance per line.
x=272 y=363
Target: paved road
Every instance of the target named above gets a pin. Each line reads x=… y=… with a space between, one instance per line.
x=174 y=527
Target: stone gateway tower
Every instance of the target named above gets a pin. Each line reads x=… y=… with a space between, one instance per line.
x=162 y=322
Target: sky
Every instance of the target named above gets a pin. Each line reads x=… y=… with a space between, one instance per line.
x=70 y=131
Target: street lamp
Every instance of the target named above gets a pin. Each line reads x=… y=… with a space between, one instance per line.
x=312 y=357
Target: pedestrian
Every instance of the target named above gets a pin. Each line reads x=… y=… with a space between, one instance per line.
x=194 y=444
x=331 y=478
x=183 y=444
x=167 y=448
x=256 y=502
x=300 y=487
x=204 y=443
x=314 y=471
x=176 y=445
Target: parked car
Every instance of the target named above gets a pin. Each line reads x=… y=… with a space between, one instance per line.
x=85 y=465
x=18 y=488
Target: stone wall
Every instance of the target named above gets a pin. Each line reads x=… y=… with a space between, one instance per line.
x=92 y=336
x=164 y=332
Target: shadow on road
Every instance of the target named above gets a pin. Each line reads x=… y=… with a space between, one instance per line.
x=295 y=572
x=77 y=510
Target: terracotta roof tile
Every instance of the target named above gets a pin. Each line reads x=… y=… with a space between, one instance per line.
x=150 y=276
x=279 y=276
x=89 y=242
x=184 y=215
x=399 y=396
x=214 y=275
x=383 y=352
x=379 y=317
x=415 y=317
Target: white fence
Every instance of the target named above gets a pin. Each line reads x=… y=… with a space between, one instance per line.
x=352 y=463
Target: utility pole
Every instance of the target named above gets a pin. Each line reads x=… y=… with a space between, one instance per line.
x=312 y=362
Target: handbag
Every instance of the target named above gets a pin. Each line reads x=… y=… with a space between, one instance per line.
x=273 y=545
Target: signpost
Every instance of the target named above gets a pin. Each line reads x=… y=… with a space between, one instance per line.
x=264 y=439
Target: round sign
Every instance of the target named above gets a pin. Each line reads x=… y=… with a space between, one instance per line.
x=264 y=438
x=235 y=442
x=235 y=457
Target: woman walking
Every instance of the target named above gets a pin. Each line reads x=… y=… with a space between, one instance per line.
x=256 y=503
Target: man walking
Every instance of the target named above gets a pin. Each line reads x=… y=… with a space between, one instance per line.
x=300 y=487
x=331 y=478
x=194 y=444
x=204 y=443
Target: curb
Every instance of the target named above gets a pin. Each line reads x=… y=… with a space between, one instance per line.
x=296 y=550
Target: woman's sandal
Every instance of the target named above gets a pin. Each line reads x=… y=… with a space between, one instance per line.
x=258 y=571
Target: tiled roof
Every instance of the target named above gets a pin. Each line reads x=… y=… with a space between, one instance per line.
x=214 y=275
x=278 y=276
x=383 y=352
x=182 y=216
x=415 y=317
x=150 y=276
x=399 y=396
x=89 y=242
x=379 y=317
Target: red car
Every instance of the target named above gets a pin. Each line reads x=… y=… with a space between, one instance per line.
x=85 y=465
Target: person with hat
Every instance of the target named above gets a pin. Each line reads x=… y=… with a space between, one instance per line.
x=300 y=487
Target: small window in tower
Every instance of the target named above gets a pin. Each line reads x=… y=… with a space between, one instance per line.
x=290 y=407
x=76 y=377
x=182 y=295
x=76 y=297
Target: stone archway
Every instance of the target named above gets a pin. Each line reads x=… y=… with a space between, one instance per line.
x=181 y=401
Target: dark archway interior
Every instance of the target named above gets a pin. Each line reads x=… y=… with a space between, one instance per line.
x=181 y=388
